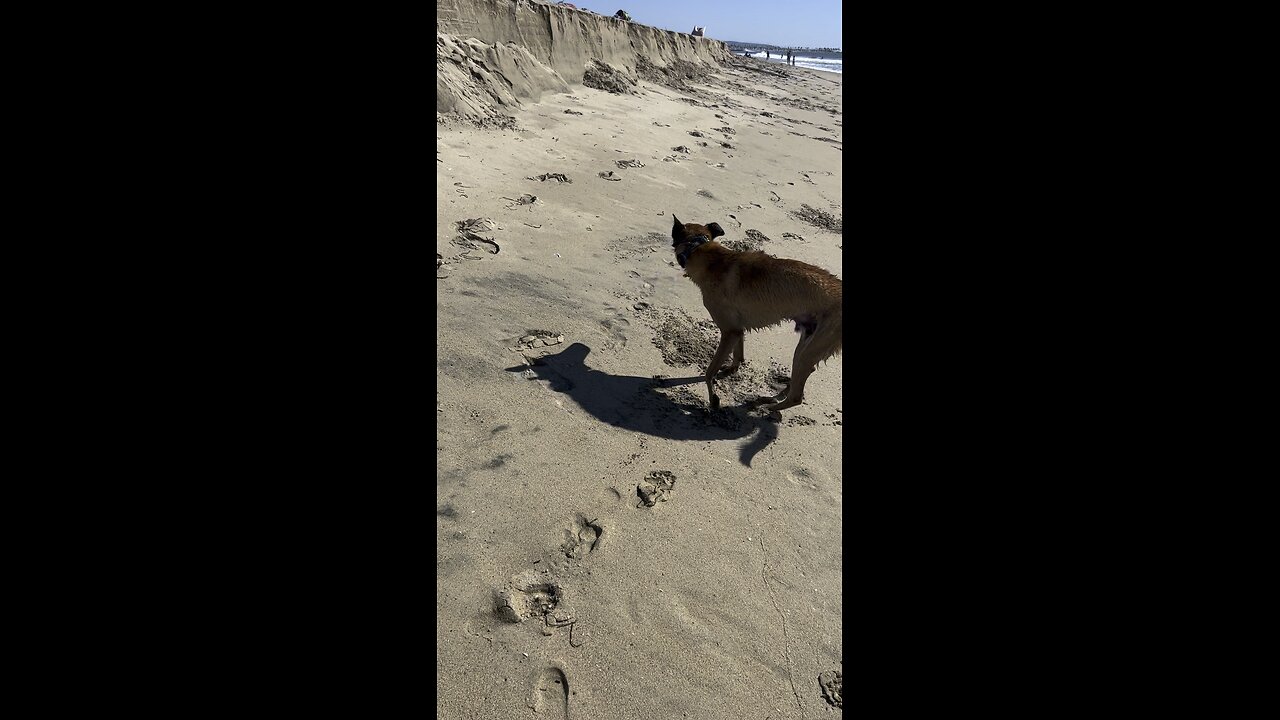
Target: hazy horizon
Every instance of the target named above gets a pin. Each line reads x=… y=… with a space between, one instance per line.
x=753 y=43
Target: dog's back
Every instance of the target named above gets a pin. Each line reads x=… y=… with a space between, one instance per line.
x=753 y=290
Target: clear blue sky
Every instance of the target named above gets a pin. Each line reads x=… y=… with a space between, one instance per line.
x=803 y=23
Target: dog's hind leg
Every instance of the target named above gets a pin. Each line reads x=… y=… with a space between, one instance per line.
x=728 y=340
x=801 y=368
x=737 y=357
x=814 y=346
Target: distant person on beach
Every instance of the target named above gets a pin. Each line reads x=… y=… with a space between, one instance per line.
x=766 y=53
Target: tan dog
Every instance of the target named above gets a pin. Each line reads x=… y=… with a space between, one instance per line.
x=752 y=290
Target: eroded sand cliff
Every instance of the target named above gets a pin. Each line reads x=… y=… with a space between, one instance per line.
x=493 y=54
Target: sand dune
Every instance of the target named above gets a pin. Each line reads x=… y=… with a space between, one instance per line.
x=606 y=547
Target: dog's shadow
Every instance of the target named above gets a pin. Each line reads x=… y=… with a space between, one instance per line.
x=634 y=403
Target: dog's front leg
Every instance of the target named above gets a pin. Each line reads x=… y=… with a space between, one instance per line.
x=728 y=341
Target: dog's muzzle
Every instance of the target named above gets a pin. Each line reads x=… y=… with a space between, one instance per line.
x=683 y=256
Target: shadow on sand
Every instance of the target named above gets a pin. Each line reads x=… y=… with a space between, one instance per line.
x=634 y=403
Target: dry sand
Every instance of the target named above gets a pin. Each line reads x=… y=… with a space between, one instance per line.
x=722 y=599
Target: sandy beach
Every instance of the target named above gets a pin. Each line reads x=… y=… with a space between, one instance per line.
x=570 y=353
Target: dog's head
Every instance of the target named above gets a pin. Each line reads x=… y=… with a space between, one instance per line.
x=683 y=234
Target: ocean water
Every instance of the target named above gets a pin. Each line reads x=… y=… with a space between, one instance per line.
x=826 y=60
x=828 y=64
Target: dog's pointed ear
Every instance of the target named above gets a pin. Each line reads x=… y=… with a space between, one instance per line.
x=677 y=230
x=716 y=230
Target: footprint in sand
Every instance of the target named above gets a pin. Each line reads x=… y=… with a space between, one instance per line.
x=536 y=339
x=558 y=177
x=582 y=538
x=616 y=327
x=527 y=595
x=551 y=692
x=468 y=237
x=802 y=477
x=655 y=487
x=832 y=684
